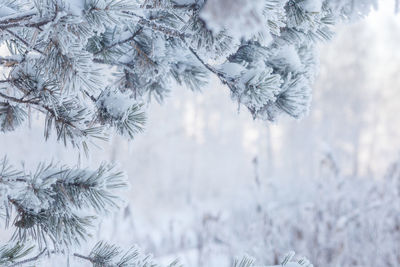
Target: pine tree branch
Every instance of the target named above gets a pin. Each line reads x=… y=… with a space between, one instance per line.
x=142 y=54
x=29 y=25
x=207 y=66
x=9 y=61
x=181 y=36
x=48 y=109
x=17 y=17
x=61 y=119
x=120 y=42
x=28 y=46
x=84 y=257
x=137 y=48
x=124 y=65
x=40 y=105
x=157 y=27
x=17 y=100
x=90 y=96
x=17 y=21
x=19 y=263
x=61 y=191
x=14 y=202
x=21 y=179
x=228 y=81
x=193 y=6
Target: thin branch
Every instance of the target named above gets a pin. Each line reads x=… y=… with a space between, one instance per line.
x=174 y=6
x=17 y=100
x=193 y=7
x=14 y=179
x=61 y=119
x=142 y=54
x=94 y=100
x=19 y=263
x=6 y=81
x=229 y=81
x=27 y=25
x=38 y=104
x=12 y=22
x=17 y=17
x=48 y=109
x=23 y=41
x=202 y=61
x=120 y=42
x=176 y=34
x=9 y=61
x=83 y=257
x=157 y=27
x=126 y=66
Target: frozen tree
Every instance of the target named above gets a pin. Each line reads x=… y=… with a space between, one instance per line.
x=89 y=66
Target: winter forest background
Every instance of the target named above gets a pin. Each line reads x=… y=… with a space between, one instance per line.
x=208 y=183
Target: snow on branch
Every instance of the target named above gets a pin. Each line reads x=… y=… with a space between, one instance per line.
x=46 y=202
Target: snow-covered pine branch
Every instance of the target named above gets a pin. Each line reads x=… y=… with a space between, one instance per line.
x=89 y=65
x=60 y=50
x=54 y=205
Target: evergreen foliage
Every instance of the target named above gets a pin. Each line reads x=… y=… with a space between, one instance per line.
x=46 y=206
x=59 y=51
x=90 y=65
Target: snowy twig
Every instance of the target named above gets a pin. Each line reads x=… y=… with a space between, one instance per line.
x=83 y=257
x=120 y=42
x=28 y=46
x=19 y=263
x=221 y=76
x=17 y=17
x=157 y=27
